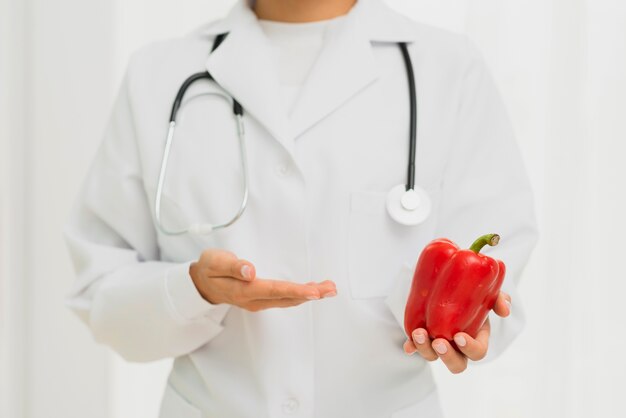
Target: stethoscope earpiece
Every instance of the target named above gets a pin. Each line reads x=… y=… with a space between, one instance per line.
x=408 y=207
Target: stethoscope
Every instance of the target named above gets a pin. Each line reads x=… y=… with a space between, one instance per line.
x=407 y=204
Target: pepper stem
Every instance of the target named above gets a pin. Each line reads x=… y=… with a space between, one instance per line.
x=489 y=239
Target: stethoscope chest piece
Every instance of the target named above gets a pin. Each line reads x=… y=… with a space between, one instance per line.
x=408 y=207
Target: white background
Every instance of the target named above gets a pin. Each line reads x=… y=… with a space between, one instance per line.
x=561 y=66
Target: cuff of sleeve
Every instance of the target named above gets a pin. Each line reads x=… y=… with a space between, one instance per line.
x=185 y=300
x=396 y=300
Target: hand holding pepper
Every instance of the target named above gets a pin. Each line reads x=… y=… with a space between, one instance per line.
x=452 y=292
x=468 y=348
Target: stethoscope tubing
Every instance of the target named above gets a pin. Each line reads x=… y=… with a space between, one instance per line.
x=413 y=117
x=198 y=228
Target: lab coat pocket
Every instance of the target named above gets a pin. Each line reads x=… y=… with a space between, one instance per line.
x=174 y=405
x=399 y=293
x=378 y=247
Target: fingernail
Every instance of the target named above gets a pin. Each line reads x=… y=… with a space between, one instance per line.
x=440 y=348
x=411 y=346
x=508 y=304
x=312 y=297
x=419 y=338
x=330 y=294
x=245 y=271
x=460 y=340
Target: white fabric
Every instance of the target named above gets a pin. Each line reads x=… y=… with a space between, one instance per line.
x=317 y=210
x=294 y=48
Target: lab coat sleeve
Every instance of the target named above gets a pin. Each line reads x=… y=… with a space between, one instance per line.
x=143 y=308
x=485 y=189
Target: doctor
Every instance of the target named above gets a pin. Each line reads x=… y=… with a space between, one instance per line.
x=323 y=88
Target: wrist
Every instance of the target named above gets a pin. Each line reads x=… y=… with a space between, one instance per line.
x=194 y=273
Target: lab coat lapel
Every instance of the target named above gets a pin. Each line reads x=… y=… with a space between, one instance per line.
x=345 y=66
x=242 y=66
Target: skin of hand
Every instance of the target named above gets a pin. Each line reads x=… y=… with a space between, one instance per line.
x=221 y=277
x=469 y=348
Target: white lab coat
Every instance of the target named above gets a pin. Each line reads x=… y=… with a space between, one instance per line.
x=318 y=183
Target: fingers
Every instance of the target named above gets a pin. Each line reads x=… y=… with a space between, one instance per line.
x=474 y=348
x=278 y=289
x=221 y=263
x=455 y=361
x=325 y=288
x=261 y=304
x=502 y=306
x=243 y=269
x=409 y=347
x=422 y=345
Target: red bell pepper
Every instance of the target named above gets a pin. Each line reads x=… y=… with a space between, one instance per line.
x=453 y=289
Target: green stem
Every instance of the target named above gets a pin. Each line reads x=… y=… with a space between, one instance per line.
x=489 y=239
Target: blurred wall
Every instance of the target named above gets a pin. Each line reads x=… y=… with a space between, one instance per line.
x=61 y=65
x=52 y=52
x=560 y=65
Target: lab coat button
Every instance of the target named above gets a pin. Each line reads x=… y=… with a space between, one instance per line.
x=282 y=170
x=290 y=406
